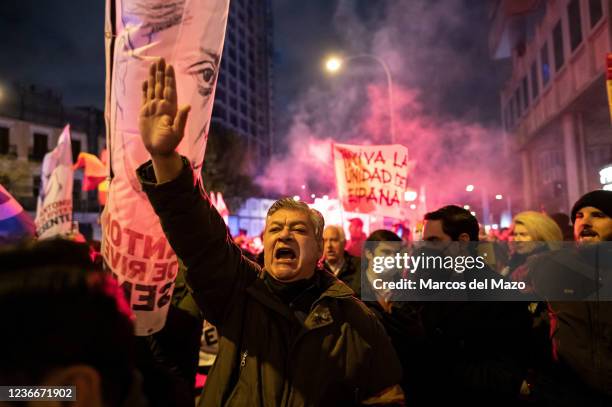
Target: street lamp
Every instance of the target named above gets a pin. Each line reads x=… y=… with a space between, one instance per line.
x=334 y=64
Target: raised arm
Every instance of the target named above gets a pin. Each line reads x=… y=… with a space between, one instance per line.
x=216 y=270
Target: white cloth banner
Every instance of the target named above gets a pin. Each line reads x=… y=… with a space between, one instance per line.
x=54 y=209
x=189 y=35
x=371 y=179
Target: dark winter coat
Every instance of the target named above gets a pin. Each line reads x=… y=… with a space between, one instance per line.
x=339 y=355
x=350 y=273
x=581 y=327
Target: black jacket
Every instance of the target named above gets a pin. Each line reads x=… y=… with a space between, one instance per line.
x=339 y=355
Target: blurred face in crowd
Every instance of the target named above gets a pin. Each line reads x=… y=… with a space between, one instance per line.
x=355 y=230
x=382 y=249
x=521 y=239
x=333 y=245
x=433 y=232
x=291 y=249
x=592 y=225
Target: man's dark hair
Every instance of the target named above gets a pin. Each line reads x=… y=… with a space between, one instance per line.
x=383 y=235
x=455 y=221
x=58 y=312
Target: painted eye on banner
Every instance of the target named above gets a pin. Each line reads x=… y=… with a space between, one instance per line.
x=204 y=72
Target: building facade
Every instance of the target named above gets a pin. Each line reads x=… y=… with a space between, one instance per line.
x=244 y=94
x=31 y=121
x=554 y=105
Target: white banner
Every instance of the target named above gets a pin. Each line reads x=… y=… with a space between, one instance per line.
x=54 y=209
x=189 y=35
x=371 y=179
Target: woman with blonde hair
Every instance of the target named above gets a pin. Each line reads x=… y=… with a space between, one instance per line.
x=531 y=233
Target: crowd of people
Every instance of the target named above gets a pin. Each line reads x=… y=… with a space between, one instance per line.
x=291 y=328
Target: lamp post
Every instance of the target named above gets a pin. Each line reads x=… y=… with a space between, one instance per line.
x=334 y=64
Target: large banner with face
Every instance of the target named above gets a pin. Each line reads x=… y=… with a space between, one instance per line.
x=54 y=208
x=371 y=179
x=189 y=35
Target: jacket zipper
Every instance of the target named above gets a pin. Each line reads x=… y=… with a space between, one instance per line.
x=243 y=358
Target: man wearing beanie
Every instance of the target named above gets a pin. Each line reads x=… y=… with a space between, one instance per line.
x=581 y=331
x=592 y=217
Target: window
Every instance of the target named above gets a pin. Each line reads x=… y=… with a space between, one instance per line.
x=4 y=140
x=534 y=81
x=76 y=149
x=220 y=94
x=234 y=120
x=40 y=146
x=525 y=91
x=558 y=46
x=243 y=109
x=506 y=118
x=595 y=11
x=517 y=101
x=573 y=13
x=545 y=65
x=231 y=51
x=36 y=185
x=218 y=112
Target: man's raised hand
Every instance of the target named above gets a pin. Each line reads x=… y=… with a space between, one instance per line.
x=161 y=123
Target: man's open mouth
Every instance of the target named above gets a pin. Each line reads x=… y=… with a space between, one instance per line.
x=588 y=233
x=285 y=253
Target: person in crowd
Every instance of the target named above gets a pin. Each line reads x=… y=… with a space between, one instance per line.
x=563 y=221
x=355 y=244
x=337 y=261
x=475 y=348
x=290 y=333
x=532 y=233
x=401 y=319
x=580 y=330
x=67 y=324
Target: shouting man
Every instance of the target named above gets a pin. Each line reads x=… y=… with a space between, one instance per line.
x=290 y=334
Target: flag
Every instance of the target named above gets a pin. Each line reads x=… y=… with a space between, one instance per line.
x=371 y=179
x=94 y=170
x=54 y=209
x=15 y=223
x=189 y=35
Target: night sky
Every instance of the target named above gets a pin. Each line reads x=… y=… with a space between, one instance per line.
x=60 y=44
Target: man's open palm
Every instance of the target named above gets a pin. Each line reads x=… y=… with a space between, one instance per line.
x=161 y=123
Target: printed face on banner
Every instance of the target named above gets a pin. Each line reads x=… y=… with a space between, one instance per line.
x=188 y=39
x=189 y=35
x=371 y=179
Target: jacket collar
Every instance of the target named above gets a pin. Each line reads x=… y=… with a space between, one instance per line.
x=320 y=314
